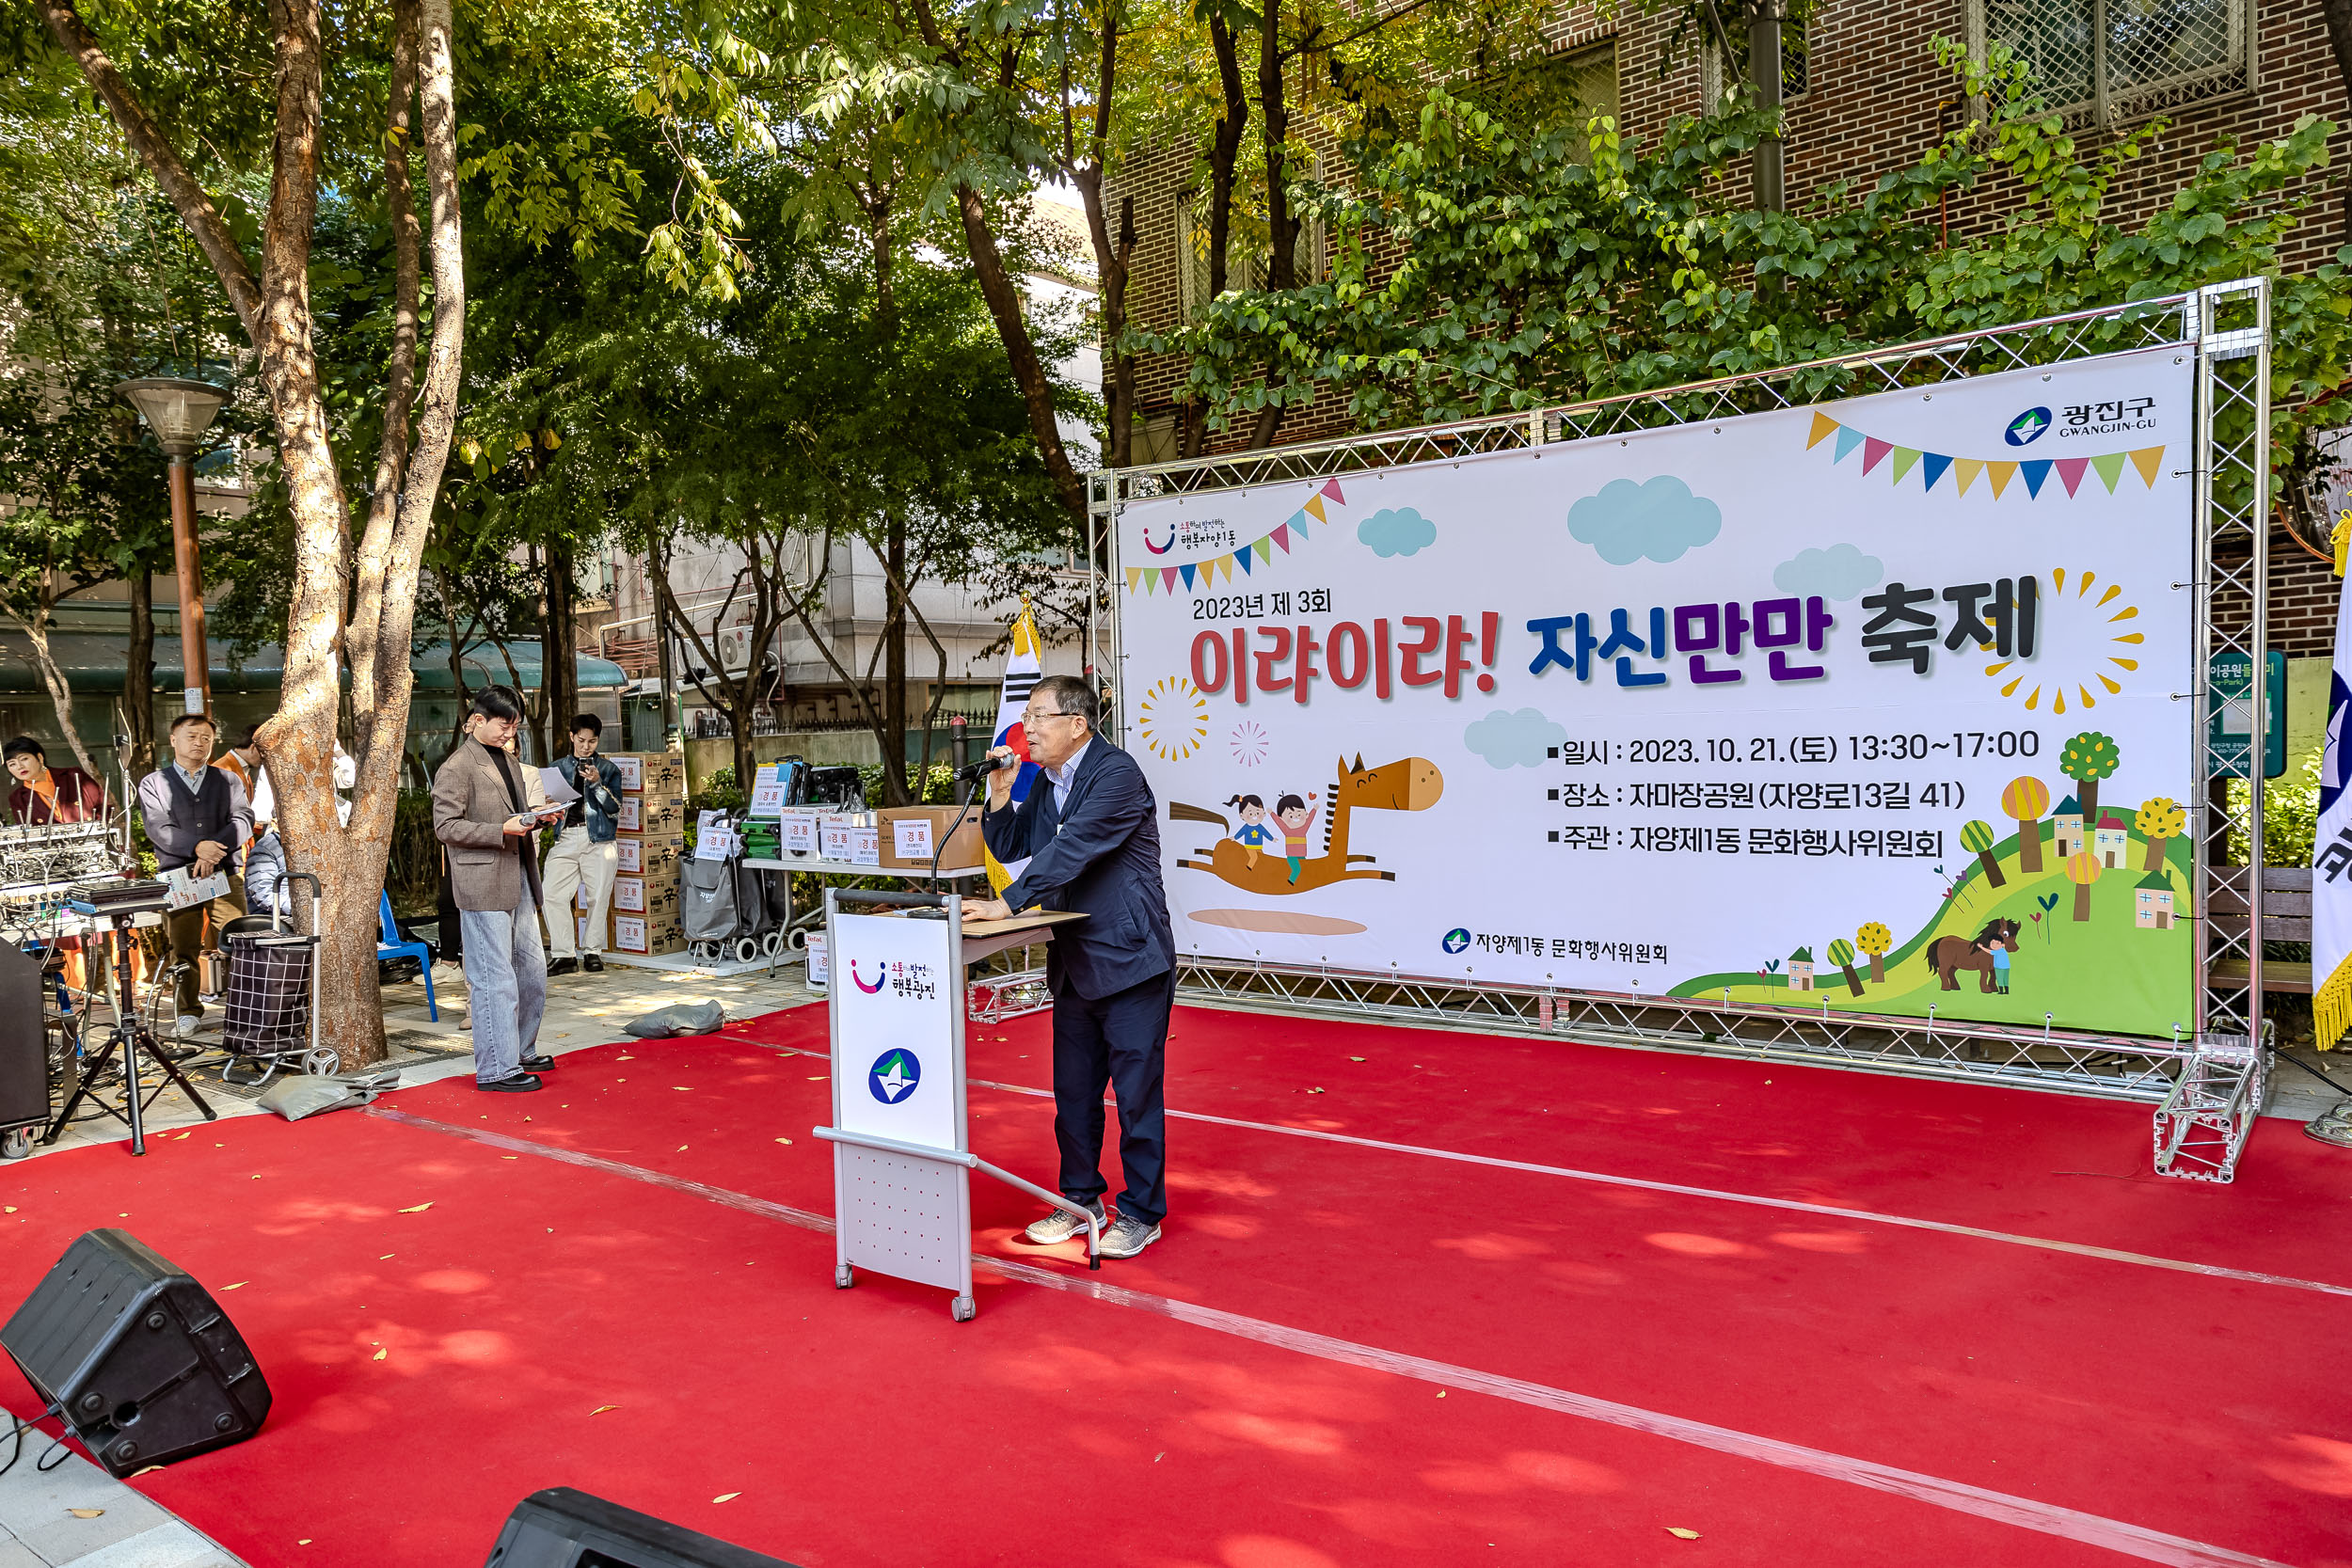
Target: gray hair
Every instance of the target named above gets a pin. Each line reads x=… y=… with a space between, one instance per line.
x=1070 y=695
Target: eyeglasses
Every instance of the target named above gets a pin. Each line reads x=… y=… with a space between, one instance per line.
x=1030 y=714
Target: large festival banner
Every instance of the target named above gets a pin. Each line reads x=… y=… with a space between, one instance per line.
x=1874 y=707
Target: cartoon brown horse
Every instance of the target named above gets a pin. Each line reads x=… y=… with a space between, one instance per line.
x=1949 y=956
x=1411 y=784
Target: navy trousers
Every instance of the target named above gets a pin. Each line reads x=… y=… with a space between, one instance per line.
x=1120 y=1040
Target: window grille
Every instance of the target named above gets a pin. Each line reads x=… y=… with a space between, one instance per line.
x=2113 y=60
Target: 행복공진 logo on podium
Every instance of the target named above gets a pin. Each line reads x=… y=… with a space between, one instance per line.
x=894 y=1075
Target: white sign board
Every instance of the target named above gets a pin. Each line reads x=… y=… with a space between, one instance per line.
x=1870 y=706
x=910 y=838
x=799 y=835
x=894 y=1056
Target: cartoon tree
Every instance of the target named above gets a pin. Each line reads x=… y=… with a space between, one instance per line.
x=2158 y=820
x=1841 y=954
x=2023 y=802
x=2082 y=871
x=1875 y=939
x=2087 y=758
x=1977 y=837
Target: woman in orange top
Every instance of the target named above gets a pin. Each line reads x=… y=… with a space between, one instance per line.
x=65 y=795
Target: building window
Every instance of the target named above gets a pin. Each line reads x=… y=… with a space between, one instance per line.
x=1245 y=259
x=2112 y=60
x=1591 y=78
x=1718 y=76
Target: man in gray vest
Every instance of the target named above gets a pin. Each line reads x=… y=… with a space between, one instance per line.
x=196 y=815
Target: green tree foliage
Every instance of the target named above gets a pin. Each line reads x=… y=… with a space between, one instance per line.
x=1485 y=263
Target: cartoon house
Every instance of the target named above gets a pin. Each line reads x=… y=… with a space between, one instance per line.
x=2066 y=828
x=2112 y=841
x=2152 y=902
x=1801 y=969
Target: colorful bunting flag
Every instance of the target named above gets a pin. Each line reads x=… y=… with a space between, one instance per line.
x=1200 y=574
x=1934 y=465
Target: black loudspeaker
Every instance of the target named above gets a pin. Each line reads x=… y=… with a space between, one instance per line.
x=144 y=1366
x=24 y=1048
x=560 y=1527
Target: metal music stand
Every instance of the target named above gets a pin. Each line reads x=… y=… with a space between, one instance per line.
x=131 y=1035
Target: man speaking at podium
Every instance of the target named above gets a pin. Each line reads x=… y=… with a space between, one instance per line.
x=1089 y=834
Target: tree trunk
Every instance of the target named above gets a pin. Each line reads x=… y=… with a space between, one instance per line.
x=2082 y=900
x=1223 y=153
x=1281 y=223
x=893 y=735
x=1766 y=187
x=559 y=645
x=1029 y=371
x=1853 y=982
x=2155 y=852
x=138 y=675
x=2029 y=845
x=2089 y=797
x=36 y=630
x=1877 y=968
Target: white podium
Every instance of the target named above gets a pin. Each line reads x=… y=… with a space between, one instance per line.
x=901 y=1160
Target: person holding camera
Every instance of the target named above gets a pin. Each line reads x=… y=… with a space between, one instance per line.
x=585 y=854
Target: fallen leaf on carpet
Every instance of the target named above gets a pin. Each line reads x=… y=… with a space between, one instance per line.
x=681 y=1149
x=135 y=1474
x=122 y=1216
x=725 y=1496
x=779 y=1140
x=387 y=1255
x=1441 y=1393
x=303 y=1541
x=418 y=1210
x=9 y=1209
x=1355 y=1058
x=1681 y=1534
x=1156 y=1458
x=379 y=1356
x=602 y=1408
x=510 y=1156
x=190 y=1134
x=818 y=1077
x=238 y=1286
x=86 y=1513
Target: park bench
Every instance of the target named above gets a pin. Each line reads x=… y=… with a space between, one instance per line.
x=2286 y=917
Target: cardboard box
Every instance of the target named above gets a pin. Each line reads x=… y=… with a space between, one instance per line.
x=836 y=836
x=647 y=896
x=650 y=816
x=649 y=855
x=650 y=773
x=911 y=836
x=647 y=937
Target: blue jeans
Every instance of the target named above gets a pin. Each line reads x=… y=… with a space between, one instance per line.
x=507 y=974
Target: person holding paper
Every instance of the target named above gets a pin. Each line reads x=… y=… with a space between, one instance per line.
x=487 y=809
x=585 y=853
x=1088 y=834
x=196 y=816
x=265 y=852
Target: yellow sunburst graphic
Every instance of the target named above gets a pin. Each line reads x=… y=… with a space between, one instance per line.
x=1173 y=717
x=2087 y=632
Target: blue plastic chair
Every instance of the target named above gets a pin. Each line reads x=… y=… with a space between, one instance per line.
x=389 y=945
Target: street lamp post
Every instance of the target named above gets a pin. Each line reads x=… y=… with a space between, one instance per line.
x=179 y=411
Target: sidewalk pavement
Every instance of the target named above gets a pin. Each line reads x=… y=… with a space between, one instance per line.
x=78 y=1515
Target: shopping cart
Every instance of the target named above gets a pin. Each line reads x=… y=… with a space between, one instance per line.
x=271 y=995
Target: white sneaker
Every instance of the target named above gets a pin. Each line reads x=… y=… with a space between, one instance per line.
x=1060 y=1226
x=184 y=1025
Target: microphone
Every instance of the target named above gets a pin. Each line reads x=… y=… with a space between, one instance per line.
x=975 y=772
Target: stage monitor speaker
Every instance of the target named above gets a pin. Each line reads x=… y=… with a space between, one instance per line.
x=144 y=1366
x=24 y=1048
x=560 y=1527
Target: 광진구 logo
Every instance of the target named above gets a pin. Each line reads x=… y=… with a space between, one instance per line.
x=2027 y=427
x=894 y=1075
x=1457 y=940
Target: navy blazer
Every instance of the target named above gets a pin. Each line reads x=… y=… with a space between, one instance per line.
x=1104 y=860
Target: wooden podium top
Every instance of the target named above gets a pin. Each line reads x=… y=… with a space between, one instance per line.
x=1030 y=921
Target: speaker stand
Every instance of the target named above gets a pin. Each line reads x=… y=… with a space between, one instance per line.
x=132 y=1038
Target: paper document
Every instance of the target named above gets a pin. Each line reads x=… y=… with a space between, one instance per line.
x=185 y=888
x=557 y=791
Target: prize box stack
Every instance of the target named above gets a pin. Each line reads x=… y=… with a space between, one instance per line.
x=652 y=848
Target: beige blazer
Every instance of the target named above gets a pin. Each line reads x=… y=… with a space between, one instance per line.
x=469 y=811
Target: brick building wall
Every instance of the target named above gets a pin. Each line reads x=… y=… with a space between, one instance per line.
x=1875 y=101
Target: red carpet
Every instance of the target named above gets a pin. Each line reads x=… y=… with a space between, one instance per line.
x=2130 y=1410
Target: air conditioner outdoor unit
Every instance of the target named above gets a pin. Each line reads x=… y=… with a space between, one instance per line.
x=733 y=645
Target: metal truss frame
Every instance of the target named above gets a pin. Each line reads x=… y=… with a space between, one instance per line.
x=2207 y=1086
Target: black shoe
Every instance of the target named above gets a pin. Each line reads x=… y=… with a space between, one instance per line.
x=539 y=1063
x=514 y=1082
x=593 y=963
x=563 y=966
